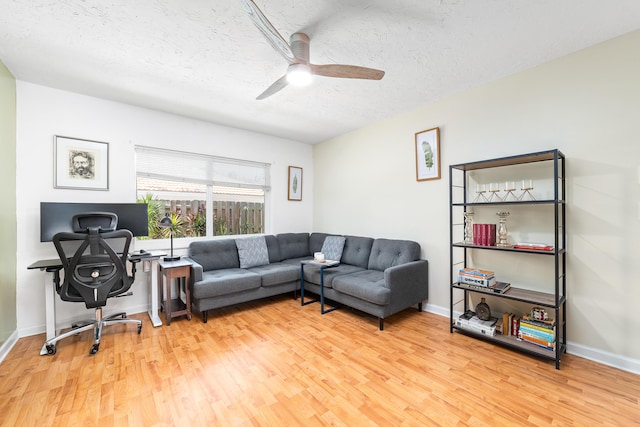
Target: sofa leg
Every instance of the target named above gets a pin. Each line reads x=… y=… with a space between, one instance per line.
x=205 y=316
x=419 y=306
x=381 y=324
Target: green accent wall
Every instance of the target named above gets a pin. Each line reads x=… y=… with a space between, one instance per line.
x=8 y=215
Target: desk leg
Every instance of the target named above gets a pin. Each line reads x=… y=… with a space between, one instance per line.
x=322 y=309
x=302 y=301
x=49 y=310
x=153 y=295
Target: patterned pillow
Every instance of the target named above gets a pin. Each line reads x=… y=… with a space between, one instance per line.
x=252 y=251
x=332 y=247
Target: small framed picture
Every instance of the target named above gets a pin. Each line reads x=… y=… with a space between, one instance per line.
x=295 y=183
x=80 y=164
x=428 y=154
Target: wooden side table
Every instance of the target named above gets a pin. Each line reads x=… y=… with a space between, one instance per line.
x=180 y=270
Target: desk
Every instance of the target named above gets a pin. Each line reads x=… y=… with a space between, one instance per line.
x=180 y=270
x=54 y=266
x=152 y=280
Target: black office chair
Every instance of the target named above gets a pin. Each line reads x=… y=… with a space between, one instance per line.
x=94 y=259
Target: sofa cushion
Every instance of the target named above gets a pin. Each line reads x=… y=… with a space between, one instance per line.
x=332 y=247
x=367 y=285
x=252 y=251
x=277 y=274
x=273 y=247
x=312 y=273
x=387 y=253
x=215 y=254
x=356 y=251
x=316 y=240
x=293 y=245
x=215 y=283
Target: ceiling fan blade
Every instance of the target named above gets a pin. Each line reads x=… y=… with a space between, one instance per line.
x=347 y=71
x=270 y=33
x=277 y=86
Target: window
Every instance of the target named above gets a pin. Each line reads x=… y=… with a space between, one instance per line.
x=203 y=195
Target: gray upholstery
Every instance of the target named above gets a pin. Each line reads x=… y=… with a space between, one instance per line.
x=277 y=273
x=357 y=250
x=215 y=254
x=312 y=275
x=293 y=245
x=274 y=248
x=367 y=285
x=226 y=281
x=387 y=253
x=316 y=240
x=378 y=276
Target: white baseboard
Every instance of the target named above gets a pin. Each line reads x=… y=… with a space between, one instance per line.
x=606 y=358
x=6 y=346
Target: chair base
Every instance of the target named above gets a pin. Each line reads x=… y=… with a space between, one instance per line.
x=49 y=346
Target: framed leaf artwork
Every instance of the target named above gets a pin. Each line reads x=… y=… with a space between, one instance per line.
x=295 y=183
x=428 y=154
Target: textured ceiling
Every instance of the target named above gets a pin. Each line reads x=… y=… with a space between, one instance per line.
x=205 y=58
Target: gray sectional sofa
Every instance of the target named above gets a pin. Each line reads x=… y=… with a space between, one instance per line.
x=377 y=276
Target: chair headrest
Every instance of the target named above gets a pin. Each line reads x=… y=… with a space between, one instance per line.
x=94 y=222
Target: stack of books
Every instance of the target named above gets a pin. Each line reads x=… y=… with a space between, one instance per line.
x=539 y=332
x=484 y=234
x=472 y=276
x=470 y=322
x=481 y=280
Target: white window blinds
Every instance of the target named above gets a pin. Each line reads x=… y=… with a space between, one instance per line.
x=189 y=167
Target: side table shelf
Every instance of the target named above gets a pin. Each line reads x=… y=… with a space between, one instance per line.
x=181 y=271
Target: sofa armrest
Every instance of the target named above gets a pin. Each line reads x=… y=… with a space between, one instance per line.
x=196 y=270
x=410 y=279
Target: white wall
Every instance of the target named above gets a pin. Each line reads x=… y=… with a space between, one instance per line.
x=587 y=105
x=43 y=112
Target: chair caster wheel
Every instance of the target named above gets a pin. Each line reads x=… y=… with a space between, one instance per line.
x=51 y=349
x=139 y=328
x=94 y=349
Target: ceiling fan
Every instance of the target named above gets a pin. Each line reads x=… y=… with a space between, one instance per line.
x=296 y=53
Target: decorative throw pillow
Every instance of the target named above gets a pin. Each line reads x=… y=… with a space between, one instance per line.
x=332 y=247
x=252 y=251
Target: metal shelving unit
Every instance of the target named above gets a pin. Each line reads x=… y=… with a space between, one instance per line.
x=461 y=253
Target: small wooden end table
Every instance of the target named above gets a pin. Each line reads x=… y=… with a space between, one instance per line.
x=180 y=270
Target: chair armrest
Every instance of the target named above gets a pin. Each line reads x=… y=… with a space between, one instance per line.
x=411 y=278
x=134 y=262
x=196 y=270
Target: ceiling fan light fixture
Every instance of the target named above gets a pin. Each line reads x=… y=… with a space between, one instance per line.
x=299 y=74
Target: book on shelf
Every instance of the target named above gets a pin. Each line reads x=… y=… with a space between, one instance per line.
x=514 y=322
x=498 y=287
x=540 y=342
x=506 y=329
x=549 y=329
x=470 y=322
x=484 y=234
x=476 y=272
x=476 y=281
x=548 y=323
x=547 y=336
x=534 y=246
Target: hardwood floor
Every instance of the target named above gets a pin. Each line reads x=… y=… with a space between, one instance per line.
x=275 y=363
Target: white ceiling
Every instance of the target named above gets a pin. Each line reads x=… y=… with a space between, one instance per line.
x=205 y=58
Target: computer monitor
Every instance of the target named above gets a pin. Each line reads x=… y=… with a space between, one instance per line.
x=57 y=217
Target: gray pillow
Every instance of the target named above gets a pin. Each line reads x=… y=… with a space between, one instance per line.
x=332 y=247
x=252 y=251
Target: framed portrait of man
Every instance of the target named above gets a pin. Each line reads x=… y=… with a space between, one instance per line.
x=80 y=164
